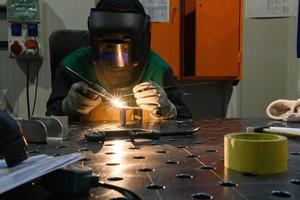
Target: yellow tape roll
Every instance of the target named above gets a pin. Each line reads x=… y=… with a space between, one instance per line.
x=256 y=152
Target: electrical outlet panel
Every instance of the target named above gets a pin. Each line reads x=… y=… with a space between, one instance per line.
x=24 y=29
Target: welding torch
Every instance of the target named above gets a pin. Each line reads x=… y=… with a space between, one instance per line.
x=94 y=86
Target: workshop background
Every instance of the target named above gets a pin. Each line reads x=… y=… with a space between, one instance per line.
x=270 y=68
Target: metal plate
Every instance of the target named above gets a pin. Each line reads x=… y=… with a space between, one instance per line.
x=124 y=159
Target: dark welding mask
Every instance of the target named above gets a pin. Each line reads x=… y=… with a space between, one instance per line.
x=120 y=41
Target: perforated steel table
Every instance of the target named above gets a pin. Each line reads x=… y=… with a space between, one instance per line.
x=173 y=168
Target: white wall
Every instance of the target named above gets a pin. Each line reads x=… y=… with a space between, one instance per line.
x=270 y=66
x=57 y=14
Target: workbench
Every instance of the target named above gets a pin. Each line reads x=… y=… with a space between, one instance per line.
x=172 y=168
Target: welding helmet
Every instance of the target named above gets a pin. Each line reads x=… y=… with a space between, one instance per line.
x=120 y=41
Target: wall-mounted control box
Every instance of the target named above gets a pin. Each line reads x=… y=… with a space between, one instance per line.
x=24 y=29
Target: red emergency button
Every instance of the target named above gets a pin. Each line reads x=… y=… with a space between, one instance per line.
x=31 y=44
x=16 y=48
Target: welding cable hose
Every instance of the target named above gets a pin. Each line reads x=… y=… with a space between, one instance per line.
x=126 y=193
x=74 y=180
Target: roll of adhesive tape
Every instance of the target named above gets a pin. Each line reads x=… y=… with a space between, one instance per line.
x=256 y=153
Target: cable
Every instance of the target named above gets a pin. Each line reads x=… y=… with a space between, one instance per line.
x=27 y=89
x=37 y=78
x=126 y=193
x=65 y=182
x=35 y=91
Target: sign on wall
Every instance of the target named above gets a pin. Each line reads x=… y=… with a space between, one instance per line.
x=159 y=10
x=271 y=8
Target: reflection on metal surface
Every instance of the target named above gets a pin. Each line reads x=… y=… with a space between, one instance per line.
x=295 y=181
x=278 y=193
x=119 y=149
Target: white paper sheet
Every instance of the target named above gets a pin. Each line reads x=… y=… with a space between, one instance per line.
x=159 y=10
x=32 y=168
x=271 y=8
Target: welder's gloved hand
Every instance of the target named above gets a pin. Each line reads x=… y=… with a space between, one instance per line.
x=283 y=109
x=153 y=98
x=81 y=99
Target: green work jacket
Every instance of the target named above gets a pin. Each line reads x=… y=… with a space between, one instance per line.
x=80 y=61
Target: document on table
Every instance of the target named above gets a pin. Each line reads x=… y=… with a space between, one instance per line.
x=33 y=167
x=271 y=8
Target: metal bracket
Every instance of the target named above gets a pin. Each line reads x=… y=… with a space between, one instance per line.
x=44 y=129
x=135 y=122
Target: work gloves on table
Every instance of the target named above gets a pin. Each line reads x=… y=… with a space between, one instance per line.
x=283 y=109
x=81 y=99
x=153 y=98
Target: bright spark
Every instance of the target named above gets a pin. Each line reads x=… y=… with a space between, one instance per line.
x=118 y=103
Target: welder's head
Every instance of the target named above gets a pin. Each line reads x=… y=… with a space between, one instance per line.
x=120 y=40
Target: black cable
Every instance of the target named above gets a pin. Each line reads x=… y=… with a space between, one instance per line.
x=27 y=90
x=37 y=77
x=55 y=182
x=126 y=193
x=35 y=91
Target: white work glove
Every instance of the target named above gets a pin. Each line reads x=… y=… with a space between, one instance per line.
x=81 y=99
x=283 y=109
x=153 y=98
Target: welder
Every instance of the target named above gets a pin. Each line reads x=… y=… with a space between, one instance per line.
x=120 y=60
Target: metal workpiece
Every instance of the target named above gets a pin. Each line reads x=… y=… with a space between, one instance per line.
x=173 y=167
x=43 y=129
x=135 y=122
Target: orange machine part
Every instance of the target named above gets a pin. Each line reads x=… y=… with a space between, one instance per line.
x=218 y=41
x=166 y=38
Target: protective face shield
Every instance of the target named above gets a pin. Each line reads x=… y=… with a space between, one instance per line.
x=120 y=42
x=115 y=54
